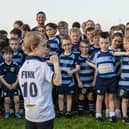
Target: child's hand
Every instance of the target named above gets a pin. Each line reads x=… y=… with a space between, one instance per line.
x=13 y=86
x=54 y=59
x=93 y=83
x=70 y=72
x=80 y=85
x=9 y=87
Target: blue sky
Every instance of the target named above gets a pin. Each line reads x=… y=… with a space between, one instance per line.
x=105 y=12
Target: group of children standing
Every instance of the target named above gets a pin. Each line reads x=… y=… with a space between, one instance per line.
x=11 y=60
x=93 y=64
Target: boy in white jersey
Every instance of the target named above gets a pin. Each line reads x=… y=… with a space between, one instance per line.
x=35 y=77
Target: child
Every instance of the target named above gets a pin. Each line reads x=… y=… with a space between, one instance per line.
x=2 y=45
x=124 y=81
x=89 y=34
x=41 y=29
x=54 y=88
x=68 y=65
x=75 y=36
x=62 y=29
x=4 y=36
x=18 y=24
x=105 y=64
x=35 y=78
x=17 y=33
x=53 y=41
x=95 y=46
x=85 y=80
x=116 y=41
x=8 y=77
x=24 y=29
x=17 y=56
x=89 y=24
x=98 y=28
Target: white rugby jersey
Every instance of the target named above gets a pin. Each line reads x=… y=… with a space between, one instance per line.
x=35 y=78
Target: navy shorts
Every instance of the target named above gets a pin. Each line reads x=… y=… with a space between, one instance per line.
x=62 y=90
x=11 y=93
x=85 y=90
x=106 y=85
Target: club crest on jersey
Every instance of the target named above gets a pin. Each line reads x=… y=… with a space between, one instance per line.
x=12 y=69
x=84 y=90
x=4 y=70
x=98 y=91
x=4 y=93
x=122 y=92
x=72 y=91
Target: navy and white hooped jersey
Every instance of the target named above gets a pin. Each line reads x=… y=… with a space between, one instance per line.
x=67 y=62
x=9 y=71
x=93 y=49
x=117 y=58
x=124 y=77
x=19 y=58
x=85 y=73
x=35 y=78
x=105 y=64
x=54 y=46
x=75 y=48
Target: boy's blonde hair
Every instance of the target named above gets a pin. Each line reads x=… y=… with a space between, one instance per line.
x=126 y=39
x=32 y=39
x=96 y=33
x=13 y=39
x=75 y=29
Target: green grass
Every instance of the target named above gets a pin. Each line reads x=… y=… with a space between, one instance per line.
x=63 y=123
